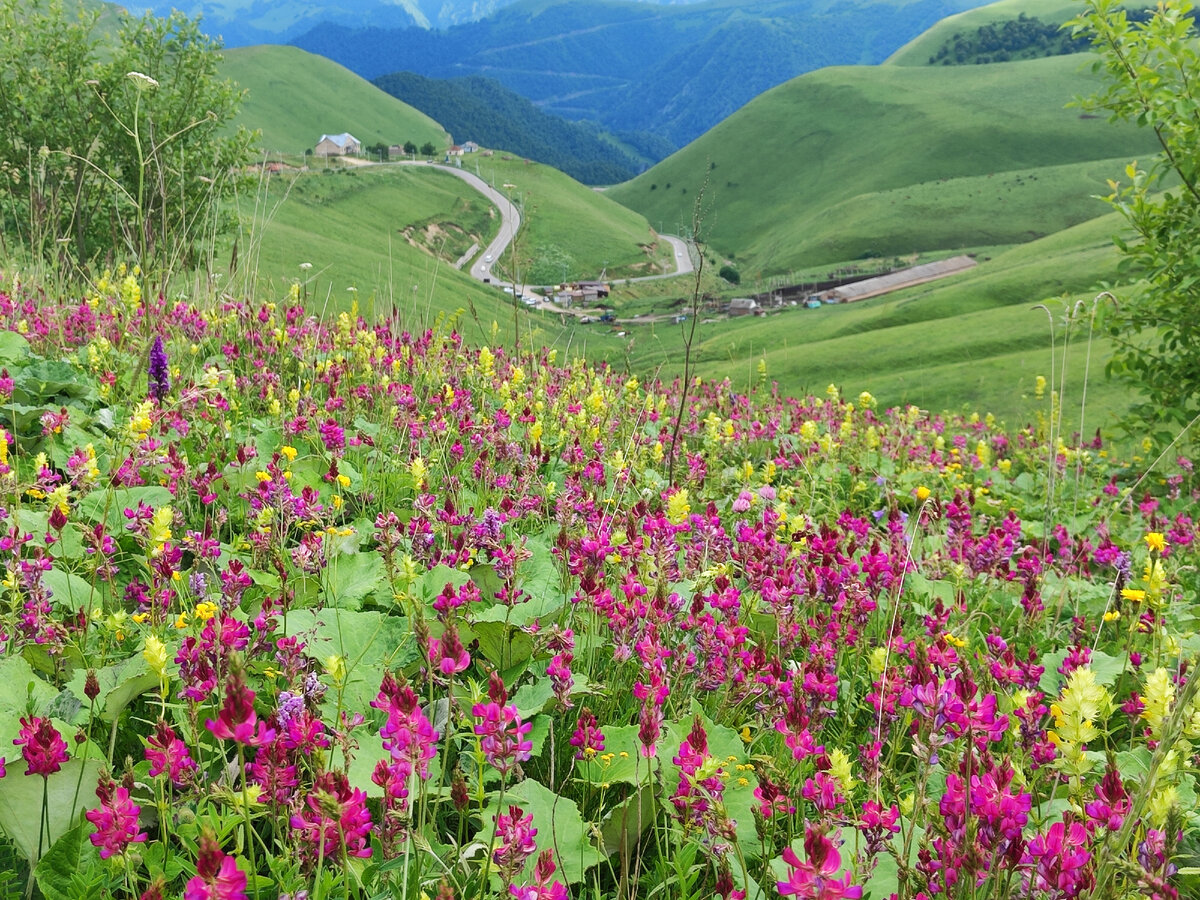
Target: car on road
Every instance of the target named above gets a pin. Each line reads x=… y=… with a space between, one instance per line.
x=488 y=258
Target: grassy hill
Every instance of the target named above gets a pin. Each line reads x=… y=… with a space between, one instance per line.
x=295 y=97
x=485 y=111
x=972 y=339
x=853 y=162
x=383 y=230
x=917 y=51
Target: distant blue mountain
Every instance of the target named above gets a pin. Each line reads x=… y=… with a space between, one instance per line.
x=671 y=70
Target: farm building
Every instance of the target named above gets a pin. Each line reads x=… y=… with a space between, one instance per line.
x=344 y=144
x=743 y=306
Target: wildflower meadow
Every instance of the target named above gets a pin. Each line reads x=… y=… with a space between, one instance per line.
x=300 y=608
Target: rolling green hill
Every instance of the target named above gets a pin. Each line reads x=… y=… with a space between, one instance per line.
x=917 y=51
x=485 y=111
x=855 y=162
x=295 y=97
x=975 y=338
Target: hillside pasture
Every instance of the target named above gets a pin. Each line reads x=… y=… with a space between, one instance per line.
x=902 y=155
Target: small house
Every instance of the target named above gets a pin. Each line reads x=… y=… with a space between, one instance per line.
x=455 y=150
x=344 y=144
x=470 y=147
x=743 y=306
x=396 y=151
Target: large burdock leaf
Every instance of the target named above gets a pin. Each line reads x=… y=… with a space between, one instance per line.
x=67 y=863
x=20 y=691
x=559 y=828
x=119 y=684
x=21 y=802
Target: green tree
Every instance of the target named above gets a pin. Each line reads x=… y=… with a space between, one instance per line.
x=410 y=148
x=117 y=148
x=730 y=274
x=1152 y=77
x=427 y=149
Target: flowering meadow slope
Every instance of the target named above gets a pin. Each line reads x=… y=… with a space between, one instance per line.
x=294 y=608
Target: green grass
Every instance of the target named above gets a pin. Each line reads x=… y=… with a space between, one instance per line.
x=917 y=51
x=351 y=226
x=295 y=97
x=850 y=162
x=559 y=211
x=975 y=338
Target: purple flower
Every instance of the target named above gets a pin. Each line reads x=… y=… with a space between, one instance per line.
x=167 y=753
x=116 y=820
x=159 y=371
x=42 y=746
x=505 y=741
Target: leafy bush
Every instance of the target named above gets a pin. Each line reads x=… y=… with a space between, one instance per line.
x=730 y=274
x=126 y=150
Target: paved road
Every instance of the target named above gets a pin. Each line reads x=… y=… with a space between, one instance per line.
x=510 y=223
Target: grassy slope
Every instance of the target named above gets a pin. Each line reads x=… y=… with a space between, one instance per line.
x=917 y=51
x=972 y=339
x=560 y=211
x=295 y=97
x=822 y=168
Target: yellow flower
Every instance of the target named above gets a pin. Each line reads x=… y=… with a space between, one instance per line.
x=205 y=610
x=841 y=770
x=289 y=452
x=678 y=507
x=156 y=655
x=1156 y=542
x=1157 y=699
x=1133 y=594
x=1112 y=615
x=335 y=667
x=923 y=494
x=160 y=529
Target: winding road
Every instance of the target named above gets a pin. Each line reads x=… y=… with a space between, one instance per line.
x=510 y=223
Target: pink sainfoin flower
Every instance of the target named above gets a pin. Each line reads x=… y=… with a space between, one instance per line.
x=334 y=818
x=504 y=736
x=1111 y=805
x=447 y=654
x=1059 y=860
x=167 y=753
x=407 y=733
x=42 y=746
x=237 y=720
x=514 y=842
x=543 y=888
x=217 y=875
x=815 y=878
x=588 y=739
x=116 y=820
x=697 y=800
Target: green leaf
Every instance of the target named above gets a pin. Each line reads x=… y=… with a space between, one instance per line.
x=502 y=645
x=21 y=802
x=352 y=577
x=20 y=688
x=13 y=347
x=559 y=826
x=110 y=505
x=120 y=684
x=71 y=857
x=70 y=591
